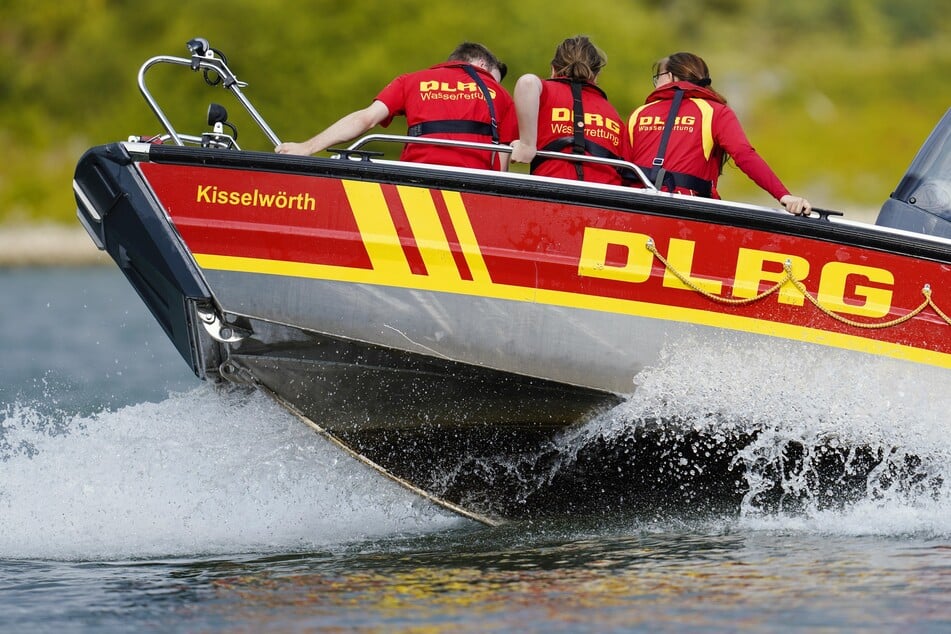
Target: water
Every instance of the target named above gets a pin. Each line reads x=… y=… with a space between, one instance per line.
x=135 y=498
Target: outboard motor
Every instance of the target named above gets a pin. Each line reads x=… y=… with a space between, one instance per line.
x=922 y=200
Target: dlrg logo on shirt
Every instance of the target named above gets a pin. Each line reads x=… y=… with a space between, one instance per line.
x=653 y=122
x=649 y=120
x=590 y=118
x=448 y=87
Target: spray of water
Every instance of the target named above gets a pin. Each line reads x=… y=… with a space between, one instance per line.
x=815 y=423
x=771 y=433
x=211 y=471
x=202 y=472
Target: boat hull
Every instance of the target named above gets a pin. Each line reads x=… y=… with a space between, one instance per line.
x=422 y=315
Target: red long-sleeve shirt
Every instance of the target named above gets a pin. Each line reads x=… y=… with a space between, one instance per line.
x=705 y=128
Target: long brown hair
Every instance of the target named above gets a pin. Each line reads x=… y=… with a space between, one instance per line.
x=688 y=67
x=578 y=59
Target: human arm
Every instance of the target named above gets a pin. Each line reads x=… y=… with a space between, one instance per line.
x=527 y=95
x=731 y=137
x=507 y=123
x=345 y=129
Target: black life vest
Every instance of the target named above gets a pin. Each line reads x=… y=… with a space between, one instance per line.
x=662 y=177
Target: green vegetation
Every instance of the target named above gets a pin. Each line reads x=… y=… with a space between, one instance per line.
x=837 y=95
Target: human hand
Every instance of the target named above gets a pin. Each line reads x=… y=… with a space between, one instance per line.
x=522 y=152
x=796 y=205
x=300 y=149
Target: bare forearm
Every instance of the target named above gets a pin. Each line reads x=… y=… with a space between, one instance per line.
x=528 y=90
x=343 y=130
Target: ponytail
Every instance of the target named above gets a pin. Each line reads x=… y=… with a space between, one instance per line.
x=578 y=59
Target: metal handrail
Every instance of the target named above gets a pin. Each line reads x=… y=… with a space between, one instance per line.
x=203 y=58
x=505 y=149
x=206 y=62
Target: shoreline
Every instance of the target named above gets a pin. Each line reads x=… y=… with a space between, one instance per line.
x=48 y=245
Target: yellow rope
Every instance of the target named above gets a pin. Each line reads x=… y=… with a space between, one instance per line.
x=788 y=277
x=927 y=292
x=724 y=300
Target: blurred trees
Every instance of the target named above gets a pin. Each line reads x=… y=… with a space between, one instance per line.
x=836 y=94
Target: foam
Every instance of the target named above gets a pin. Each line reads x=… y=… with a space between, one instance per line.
x=203 y=472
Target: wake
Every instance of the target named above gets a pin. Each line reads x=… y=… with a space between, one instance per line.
x=769 y=438
x=809 y=437
x=779 y=435
x=203 y=472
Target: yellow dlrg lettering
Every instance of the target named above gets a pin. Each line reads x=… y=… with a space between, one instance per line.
x=680 y=258
x=649 y=120
x=460 y=86
x=834 y=282
x=751 y=273
x=590 y=119
x=637 y=263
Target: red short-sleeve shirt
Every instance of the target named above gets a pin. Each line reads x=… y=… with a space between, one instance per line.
x=446 y=92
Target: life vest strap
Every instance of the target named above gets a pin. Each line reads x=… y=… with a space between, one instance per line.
x=590 y=148
x=579 y=146
x=673 y=180
x=450 y=126
x=493 y=122
x=658 y=172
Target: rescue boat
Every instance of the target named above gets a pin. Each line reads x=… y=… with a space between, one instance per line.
x=418 y=314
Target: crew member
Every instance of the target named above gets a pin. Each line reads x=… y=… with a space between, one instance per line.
x=460 y=99
x=569 y=113
x=685 y=132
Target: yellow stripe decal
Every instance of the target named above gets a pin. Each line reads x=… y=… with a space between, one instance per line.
x=428 y=230
x=466 y=235
x=376 y=226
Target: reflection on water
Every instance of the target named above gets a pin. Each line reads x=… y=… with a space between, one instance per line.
x=632 y=576
x=510 y=580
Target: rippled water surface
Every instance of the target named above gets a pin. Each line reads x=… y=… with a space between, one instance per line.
x=133 y=497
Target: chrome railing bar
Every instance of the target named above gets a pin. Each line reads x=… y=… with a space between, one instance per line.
x=491 y=147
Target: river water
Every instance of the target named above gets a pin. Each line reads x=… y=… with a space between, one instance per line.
x=134 y=497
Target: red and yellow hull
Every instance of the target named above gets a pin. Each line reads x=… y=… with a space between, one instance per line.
x=424 y=316
x=583 y=257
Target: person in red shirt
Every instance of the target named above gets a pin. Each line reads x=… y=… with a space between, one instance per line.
x=568 y=113
x=704 y=132
x=460 y=99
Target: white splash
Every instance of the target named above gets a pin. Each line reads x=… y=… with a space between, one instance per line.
x=202 y=472
x=805 y=396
